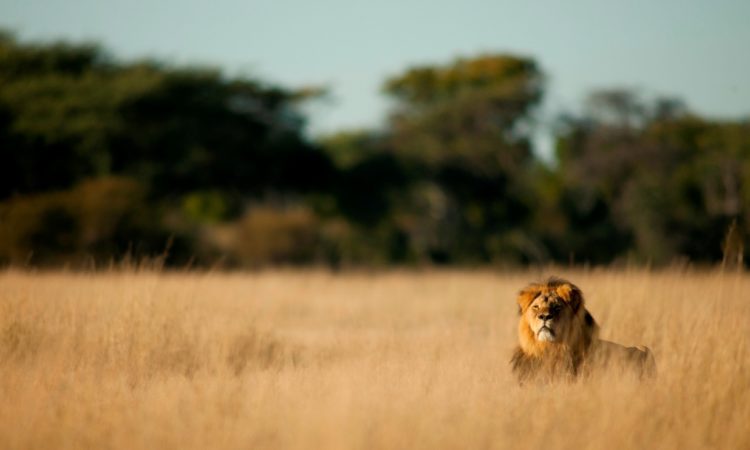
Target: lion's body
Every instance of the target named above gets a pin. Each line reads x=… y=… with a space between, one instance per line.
x=558 y=338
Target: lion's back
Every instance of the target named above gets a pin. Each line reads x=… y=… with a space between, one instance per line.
x=639 y=360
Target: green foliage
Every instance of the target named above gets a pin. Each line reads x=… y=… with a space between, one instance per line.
x=175 y=130
x=506 y=78
x=465 y=127
x=208 y=206
x=101 y=158
x=276 y=236
x=473 y=110
x=93 y=222
x=347 y=148
x=672 y=182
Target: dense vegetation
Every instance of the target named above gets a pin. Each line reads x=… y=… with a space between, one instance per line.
x=101 y=159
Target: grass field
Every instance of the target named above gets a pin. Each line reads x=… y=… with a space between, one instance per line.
x=314 y=360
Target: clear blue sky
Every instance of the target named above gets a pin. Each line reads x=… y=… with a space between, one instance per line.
x=696 y=50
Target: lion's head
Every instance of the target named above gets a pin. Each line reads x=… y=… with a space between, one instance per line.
x=555 y=331
x=553 y=315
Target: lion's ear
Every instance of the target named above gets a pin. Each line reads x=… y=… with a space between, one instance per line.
x=570 y=294
x=526 y=296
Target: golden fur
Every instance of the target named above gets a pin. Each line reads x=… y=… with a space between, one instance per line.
x=558 y=337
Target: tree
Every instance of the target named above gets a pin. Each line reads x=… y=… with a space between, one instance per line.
x=72 y=119
x=173 y=129
x=651 y=179
x=467 y=125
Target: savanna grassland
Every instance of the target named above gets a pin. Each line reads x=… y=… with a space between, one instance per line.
x=316 y=360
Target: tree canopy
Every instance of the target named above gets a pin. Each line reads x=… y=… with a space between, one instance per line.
x=103 y=158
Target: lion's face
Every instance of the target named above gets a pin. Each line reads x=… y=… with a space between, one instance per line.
x=549 y=317
x=552 y=314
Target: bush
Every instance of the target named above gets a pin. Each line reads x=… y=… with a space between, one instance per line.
x=96 y=220
x=267 y=235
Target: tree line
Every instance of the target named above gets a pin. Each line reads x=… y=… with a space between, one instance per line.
x=102 y=159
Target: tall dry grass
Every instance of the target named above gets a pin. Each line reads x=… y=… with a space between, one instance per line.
x=390 y=360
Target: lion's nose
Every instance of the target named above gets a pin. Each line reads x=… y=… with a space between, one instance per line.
x=545 y=316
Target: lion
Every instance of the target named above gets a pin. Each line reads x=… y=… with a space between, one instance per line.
x=558 y=338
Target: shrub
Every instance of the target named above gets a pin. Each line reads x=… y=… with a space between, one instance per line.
x=266 y=235
x=98 y=219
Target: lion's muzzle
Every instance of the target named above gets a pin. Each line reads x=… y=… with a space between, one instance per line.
x=545 y=334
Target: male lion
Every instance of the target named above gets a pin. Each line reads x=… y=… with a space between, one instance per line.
x=558 y=337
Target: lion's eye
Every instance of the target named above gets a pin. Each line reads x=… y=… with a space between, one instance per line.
x=535 y=307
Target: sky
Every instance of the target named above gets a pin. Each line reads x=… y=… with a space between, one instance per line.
x=694 y=50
